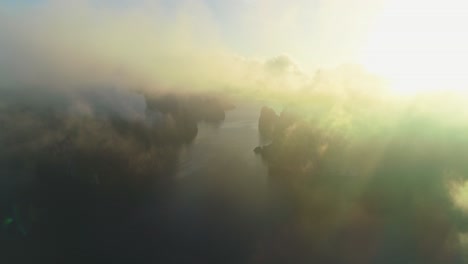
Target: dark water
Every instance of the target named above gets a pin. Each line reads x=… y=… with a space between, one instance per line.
x=220 y=163
x=220 y=198
x=229 y=143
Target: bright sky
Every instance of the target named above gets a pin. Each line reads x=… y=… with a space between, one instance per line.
x=421 y=45
x=416 y=44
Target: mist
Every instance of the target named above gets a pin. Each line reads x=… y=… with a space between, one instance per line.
x=139 y=132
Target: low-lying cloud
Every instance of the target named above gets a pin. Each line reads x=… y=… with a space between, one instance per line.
x=82 y=44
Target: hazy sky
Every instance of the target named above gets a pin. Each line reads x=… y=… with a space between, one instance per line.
x=315 y=32
x=414 y=43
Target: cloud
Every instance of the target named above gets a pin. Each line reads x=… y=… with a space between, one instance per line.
x=402 y=171
x=82 y=44
x=282 y=64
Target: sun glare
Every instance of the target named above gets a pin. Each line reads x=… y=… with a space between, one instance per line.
x=420 y=45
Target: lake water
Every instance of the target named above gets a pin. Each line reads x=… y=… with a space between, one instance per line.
x=220 y=161
x=221 y=189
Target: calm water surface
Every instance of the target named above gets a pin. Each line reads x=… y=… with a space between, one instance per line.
x=221 y=161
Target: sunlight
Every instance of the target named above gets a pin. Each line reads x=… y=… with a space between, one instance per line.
x=420 y=45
